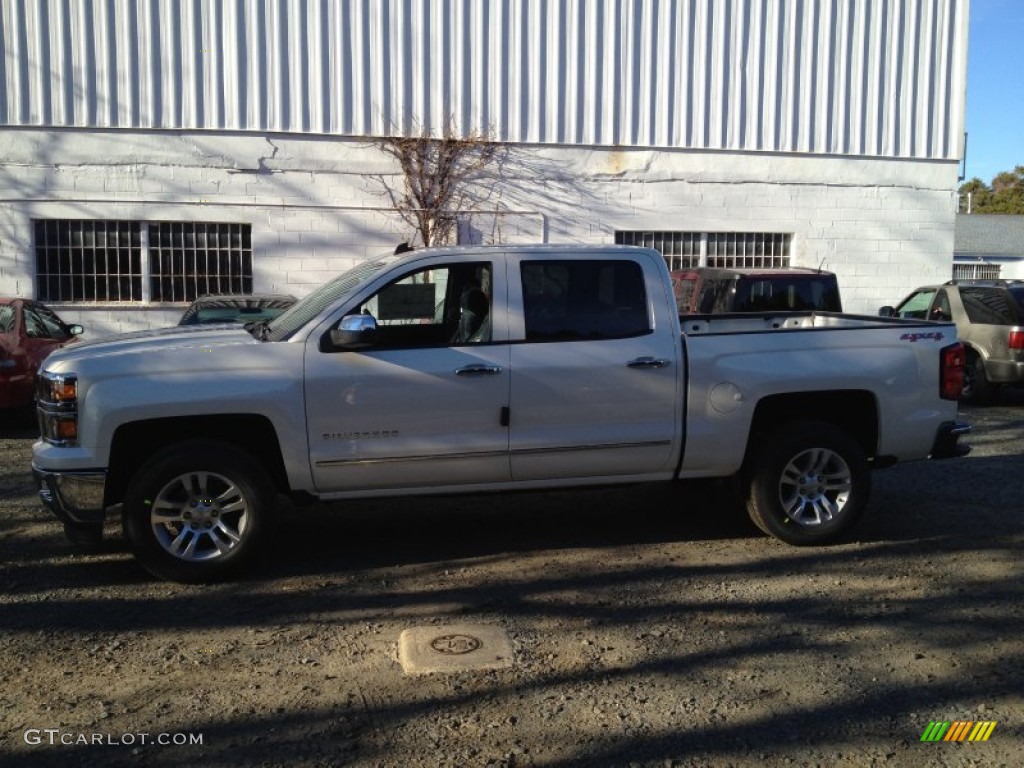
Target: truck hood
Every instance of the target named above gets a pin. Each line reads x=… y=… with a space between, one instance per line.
x=159 y=345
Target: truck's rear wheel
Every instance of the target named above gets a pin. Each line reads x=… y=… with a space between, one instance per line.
x=198 y=512
x=808 y=483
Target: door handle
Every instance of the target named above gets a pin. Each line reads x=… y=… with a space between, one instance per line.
x=478 y=370
x=647 y=362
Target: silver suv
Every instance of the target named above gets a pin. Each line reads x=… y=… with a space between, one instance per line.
x=989 y=317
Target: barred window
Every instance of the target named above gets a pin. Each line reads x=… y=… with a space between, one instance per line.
x=189 y=259
x=88 y=260
x=976 y=271
x=750 y=250
x=680 y=249
x=133 y=261
x=683 y=250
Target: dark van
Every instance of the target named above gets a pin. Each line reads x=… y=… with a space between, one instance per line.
x=712 y=290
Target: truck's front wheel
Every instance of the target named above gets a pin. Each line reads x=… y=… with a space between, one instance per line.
x=808 y=483
x=198 y=511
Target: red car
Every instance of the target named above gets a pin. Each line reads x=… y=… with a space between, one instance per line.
x=29 y=331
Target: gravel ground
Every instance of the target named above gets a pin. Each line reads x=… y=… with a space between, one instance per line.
x=651 y=626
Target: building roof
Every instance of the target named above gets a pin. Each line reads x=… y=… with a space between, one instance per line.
x=988 y=235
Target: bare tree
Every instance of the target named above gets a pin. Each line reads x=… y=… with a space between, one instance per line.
x=441 y=177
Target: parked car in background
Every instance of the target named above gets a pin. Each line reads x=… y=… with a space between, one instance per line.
x=715 y=291
x=236 y=308
x=989 y=317
x=29 y=331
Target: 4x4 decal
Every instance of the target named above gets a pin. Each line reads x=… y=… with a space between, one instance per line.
x=935 y=335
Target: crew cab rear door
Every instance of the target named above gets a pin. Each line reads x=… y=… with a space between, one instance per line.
x=595 y=366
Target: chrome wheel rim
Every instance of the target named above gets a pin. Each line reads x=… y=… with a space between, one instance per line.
x=199 y=516
x=815 y=486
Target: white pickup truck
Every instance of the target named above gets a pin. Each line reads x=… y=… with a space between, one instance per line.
x=479 y=369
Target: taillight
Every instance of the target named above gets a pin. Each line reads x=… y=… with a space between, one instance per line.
x=1016 y=340
x=951 y=371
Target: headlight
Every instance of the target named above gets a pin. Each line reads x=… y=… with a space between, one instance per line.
x=56 y=388
x=57 y=403
x=59 y=429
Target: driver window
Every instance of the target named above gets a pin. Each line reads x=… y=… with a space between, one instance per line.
x=916 y=307
x=34 y=326
x=55 y=329
x=443 y=305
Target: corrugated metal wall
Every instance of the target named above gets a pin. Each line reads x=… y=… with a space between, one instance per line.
x=851 y=77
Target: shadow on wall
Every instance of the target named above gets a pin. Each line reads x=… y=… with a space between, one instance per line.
x=535 y=182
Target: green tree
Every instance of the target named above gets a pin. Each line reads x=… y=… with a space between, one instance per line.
x=1004 y=195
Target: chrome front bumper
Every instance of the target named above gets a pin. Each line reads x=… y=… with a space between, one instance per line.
x=76 y=497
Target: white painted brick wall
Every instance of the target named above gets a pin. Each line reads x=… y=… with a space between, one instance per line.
x=882 y=240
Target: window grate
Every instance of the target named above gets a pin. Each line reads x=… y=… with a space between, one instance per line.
x=189 y=259
x=684 y=250
x=107 y=261
x=976 y=271
x=680 y=249
x=81 y=260
x=750 y=250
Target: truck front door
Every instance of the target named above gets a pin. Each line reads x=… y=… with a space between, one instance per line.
x=426 y=404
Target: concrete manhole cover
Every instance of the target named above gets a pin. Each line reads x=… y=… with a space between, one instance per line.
x=422 y=650
x=456 y=645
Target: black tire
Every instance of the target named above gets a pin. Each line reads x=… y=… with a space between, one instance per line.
x=977 y=388
x=808 y=483
x=218 y=512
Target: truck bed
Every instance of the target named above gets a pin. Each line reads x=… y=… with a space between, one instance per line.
x=701 y=325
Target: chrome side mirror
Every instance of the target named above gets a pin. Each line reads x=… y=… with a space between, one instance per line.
x=354 y=332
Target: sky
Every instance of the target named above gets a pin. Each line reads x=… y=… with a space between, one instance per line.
x=995 y=88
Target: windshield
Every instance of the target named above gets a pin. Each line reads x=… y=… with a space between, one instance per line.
x=312 y=305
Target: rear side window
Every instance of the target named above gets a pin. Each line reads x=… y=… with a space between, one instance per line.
x=577 y=300
x=716 y=296
x=989 y=306
x=684 y=285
